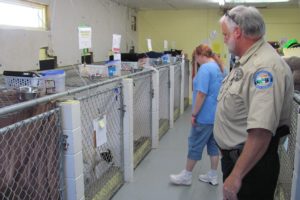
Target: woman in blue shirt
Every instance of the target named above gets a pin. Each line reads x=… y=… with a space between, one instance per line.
x=206 y=86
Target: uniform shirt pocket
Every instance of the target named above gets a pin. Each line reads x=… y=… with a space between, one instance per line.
x=235 y=88
x=233 y=101
x=223 y=89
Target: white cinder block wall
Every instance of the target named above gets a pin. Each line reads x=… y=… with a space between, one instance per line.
x=20 y=48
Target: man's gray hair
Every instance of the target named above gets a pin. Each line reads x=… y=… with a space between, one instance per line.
x=248 y=19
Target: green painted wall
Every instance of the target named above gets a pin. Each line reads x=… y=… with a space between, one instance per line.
x=281 y=23
x=188 y=28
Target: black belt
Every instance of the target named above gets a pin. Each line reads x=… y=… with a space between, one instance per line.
x=235 y=152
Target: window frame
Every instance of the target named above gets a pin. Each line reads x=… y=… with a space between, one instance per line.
x=26 y=3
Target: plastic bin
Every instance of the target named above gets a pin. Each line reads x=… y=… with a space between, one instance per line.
x=93 y=70
x=54 y=80
x=113 y=68
x=16 y=82
x=16 y=79
x=129 y=66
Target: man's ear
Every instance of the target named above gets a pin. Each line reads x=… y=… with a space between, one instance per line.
x=237 y=32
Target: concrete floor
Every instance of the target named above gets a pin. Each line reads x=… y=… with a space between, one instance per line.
x=151 y=177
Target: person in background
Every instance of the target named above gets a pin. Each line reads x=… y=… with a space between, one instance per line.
x=294 y=63
x=253 y=110
x=206 y=86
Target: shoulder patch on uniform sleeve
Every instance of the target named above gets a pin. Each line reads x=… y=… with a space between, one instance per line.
x=263 y=79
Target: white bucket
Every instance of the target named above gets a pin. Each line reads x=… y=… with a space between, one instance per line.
x=54 y=80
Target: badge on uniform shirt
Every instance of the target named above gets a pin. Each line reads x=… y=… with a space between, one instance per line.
x=263 y=79
x=238 y=74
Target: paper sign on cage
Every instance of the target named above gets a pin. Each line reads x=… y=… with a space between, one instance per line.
x=85 y=37
x=149 y=44
x=116 y=43
x=100 y=131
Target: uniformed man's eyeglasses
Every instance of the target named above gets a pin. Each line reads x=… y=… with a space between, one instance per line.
x=231 y=17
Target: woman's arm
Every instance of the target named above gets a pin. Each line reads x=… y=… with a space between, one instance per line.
x=198 y=104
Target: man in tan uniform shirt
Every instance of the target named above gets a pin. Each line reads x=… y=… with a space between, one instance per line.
x=254 y=101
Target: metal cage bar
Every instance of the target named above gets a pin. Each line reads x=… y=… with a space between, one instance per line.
x=102 y=157
x=286 y=155
x=142 y=111
x=177 y=90
x=164 y=101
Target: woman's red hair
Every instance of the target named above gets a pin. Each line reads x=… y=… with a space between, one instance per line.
x=205 y=50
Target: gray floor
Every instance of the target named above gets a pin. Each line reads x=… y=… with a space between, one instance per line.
x=151 y=177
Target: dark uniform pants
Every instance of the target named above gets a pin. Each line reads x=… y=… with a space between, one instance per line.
x=260 y=182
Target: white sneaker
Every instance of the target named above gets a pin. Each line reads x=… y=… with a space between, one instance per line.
x=213 y=180
x=181 y=179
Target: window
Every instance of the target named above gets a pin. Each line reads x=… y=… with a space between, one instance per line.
x=15 y=13
x=252 y=1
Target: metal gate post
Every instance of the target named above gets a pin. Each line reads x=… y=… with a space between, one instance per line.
x=73 y=161
x=155 y=108
x=128 y=129
x=172 y=74
x=182 y=87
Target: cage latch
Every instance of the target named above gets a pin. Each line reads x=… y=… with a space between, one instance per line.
x=65 y=143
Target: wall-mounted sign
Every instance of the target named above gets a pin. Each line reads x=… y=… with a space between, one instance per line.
x=165 y=44
x=149 y=44
x=85 y=37
x=116 y=43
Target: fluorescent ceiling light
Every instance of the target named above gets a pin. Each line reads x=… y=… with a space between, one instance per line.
x=254 y=1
